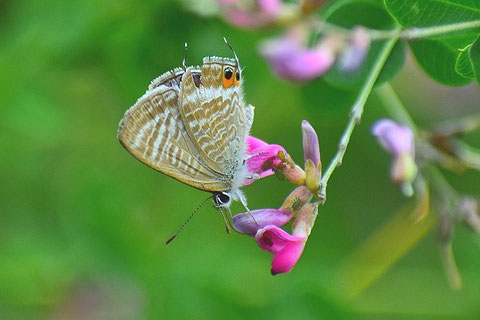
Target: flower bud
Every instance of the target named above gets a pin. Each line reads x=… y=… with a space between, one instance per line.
x=297 y=199
x=313 y=165
x=305 y=220
x=469 y=212
x=288 y=170
x=393 y=137
x=399 y=141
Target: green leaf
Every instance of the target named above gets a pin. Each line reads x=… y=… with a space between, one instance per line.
x=425 y=13
x=438 y=60
x=370 y=14
x=441 y=56
x=463 y=65
x=475 y=58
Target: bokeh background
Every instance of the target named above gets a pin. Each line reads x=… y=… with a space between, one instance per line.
x=83 y=224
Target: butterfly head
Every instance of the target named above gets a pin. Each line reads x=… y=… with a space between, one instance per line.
x=222 y=200
x=221 y=71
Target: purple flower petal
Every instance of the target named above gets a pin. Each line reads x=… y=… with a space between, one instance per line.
x=290 y=59
x=393 y=137
x=311 y=148
x=245 y=223
x=355 y=53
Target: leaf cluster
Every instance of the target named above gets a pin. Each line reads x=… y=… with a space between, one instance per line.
x=451 y=58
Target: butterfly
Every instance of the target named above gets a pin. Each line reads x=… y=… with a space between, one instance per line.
x=191 y=124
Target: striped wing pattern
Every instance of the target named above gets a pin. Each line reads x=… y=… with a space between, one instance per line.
x=215 y=117
x=153 y=131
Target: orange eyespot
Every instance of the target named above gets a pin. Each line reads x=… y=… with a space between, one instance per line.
x=228 y=77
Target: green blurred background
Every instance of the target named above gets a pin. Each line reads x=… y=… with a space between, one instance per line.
x=83 y=224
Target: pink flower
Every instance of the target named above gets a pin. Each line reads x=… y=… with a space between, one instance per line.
x=250 y=14
x=264 y=224
x=287 y=248
x=262 y=157
x=290 y=58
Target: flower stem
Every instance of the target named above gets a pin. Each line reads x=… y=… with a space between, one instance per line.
x=451 y=269
x=356 y=113
x=395 y=107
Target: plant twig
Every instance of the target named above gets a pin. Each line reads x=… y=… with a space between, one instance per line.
x=450 y=266
x=415 y=33
x=395 y=107
x=407 y=34
x=356 y=114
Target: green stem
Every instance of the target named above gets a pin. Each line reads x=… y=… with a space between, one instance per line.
x=469 y=155
x=442 y=186
x=407 y=34
x=395 y=107
x=356 y=113
x=416 y=33
x=451 y=269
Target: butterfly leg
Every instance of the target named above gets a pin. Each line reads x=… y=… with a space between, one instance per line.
x=226 y=221
x=243 y=200
x=254 y=176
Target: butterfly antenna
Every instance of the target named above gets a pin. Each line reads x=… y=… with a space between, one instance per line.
x=186 y=221
x=234 y=53
x=184 y=62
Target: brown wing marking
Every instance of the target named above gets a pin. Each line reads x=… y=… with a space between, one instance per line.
x=153 y=131
x=214 y=117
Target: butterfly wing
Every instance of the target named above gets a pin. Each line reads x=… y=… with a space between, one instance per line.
x=249 y=114
x=215 y=117
x=170 y=78
x=153 y=131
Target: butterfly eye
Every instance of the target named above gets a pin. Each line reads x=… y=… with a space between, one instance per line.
x=227 y=80
x=221 y=199
x=237 y=78
x=228 y=73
